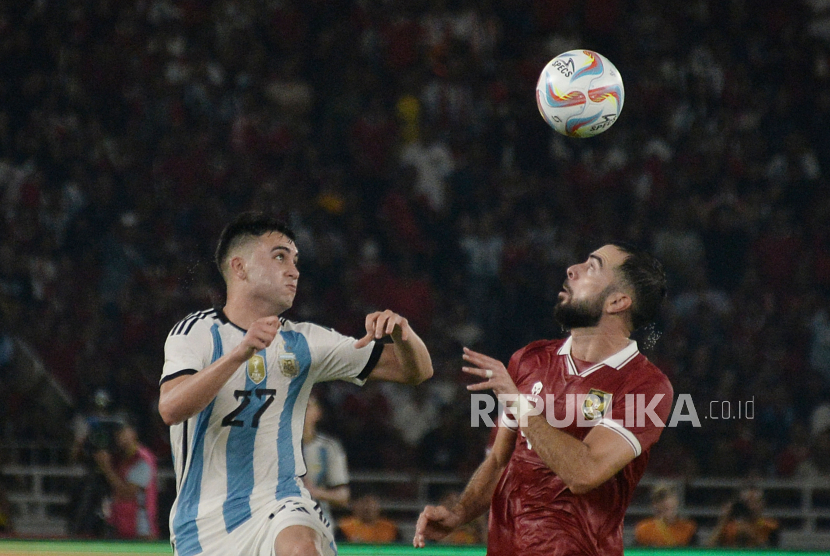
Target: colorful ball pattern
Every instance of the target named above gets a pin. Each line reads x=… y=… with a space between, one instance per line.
x=580 y=93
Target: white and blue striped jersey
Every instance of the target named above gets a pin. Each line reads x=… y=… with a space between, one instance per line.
x=244 y=450
x=327 y=466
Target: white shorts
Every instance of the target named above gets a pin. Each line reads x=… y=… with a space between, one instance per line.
x=256 y=536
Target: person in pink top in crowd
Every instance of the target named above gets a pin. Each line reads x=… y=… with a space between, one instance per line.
x=132 y=476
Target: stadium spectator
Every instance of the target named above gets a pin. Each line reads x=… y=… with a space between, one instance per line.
x=666 y=527
x=95 y=431
x=327 y=472
x=130 y=470
x=742 y=523
x=366 y=524
x=415 y=414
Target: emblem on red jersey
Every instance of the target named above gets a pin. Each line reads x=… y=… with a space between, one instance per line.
x=256 y=369
x=596 y=404
x=536 y=389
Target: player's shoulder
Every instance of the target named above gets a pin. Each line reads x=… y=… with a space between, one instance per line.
x=197 y=320
x=308 y=329
x=535 y=355
x=546 y=345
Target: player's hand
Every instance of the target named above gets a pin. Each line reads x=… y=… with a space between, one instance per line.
x=434 y=523
x=384 y=323
x=492 y=370
x=259 y=336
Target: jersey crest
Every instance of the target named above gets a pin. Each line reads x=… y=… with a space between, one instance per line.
x=288 y=363
x=596 y=404
x=256 y=368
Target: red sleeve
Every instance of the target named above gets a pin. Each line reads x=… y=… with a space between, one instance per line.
x=536 y=355
x=513 y=364
x=506 y=419
x=639 y=413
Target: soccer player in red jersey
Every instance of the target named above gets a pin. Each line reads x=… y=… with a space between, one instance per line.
x=560 y=482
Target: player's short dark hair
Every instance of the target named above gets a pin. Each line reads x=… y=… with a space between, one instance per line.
x=645 y=275
x=244 y=226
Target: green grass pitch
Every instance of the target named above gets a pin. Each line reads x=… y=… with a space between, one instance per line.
x=82 y=548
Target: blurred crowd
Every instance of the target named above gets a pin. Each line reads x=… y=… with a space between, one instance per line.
x=402 y=142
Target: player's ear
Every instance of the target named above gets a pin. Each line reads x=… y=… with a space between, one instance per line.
x=617 y=302
x=237 y=267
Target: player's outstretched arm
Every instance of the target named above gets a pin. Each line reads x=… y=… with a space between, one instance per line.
x=406 y=359
x=436 y=522
x=185 y=396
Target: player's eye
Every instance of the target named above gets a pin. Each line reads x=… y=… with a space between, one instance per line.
x=279 y=256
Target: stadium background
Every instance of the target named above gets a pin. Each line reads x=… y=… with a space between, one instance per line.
x=401 y=140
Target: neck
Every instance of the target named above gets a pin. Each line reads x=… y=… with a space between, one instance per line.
x=308 y=436
x=594 y=345
x=243 y=313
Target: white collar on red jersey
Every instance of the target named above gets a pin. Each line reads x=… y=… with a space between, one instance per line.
x=617 y=361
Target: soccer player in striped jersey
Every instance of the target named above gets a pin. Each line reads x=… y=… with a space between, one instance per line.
x=327 y=470
x=558 y=481
x=234 y=390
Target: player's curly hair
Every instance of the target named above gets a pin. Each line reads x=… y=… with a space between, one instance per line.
x=645 y=275
x=243 y=227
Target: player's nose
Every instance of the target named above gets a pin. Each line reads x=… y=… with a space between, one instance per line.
x=572 y=272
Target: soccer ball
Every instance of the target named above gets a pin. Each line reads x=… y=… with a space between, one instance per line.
x=580 y=93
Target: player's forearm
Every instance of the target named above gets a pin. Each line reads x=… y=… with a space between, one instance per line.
x=413 y=356
x=565 y=455
x=477 y=495
x=186 y=396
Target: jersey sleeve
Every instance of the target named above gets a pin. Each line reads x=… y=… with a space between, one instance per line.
x=507 y=418
x=338 y=471
x=187 y=353
x=334 y=356
x=640 y=413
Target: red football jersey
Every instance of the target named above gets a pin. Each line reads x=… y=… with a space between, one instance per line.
x=533 y=512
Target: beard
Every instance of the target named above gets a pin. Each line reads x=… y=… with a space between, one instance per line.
x=579 y=314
